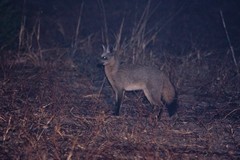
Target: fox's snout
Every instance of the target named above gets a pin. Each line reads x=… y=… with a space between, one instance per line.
x=104 y=60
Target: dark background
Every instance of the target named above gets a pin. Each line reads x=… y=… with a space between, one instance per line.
x=186 y=25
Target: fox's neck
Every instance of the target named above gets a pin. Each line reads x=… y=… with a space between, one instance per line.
x=112 y=68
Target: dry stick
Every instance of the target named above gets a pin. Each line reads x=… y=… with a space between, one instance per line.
x=138 y=34
x=105 y=23
x=119 y=36
x=8 y=128
x=105 y=37
x=100 y=91
x=21 y=33
x=31 y=36
x=38 y=37
x=22 y=28
x=77 y=29
x=229 y=42
x=231 y=112
x=72 y=149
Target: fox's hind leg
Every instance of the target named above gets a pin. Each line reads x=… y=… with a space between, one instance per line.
x=149 y=96
x=155 y=100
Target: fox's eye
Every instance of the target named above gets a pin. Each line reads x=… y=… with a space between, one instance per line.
x=104 y=58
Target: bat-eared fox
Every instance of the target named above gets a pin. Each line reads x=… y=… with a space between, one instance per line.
x=129 y=77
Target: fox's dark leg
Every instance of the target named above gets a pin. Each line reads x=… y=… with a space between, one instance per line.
x=119 y=95
x=160 y=113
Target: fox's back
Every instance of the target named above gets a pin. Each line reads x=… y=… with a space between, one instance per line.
x=134 y=77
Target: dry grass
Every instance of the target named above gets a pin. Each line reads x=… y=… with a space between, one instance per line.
x=54 y=112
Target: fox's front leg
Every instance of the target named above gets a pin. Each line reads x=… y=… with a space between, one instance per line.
x=118 y=96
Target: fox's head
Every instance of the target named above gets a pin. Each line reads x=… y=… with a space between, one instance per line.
x=107 y=57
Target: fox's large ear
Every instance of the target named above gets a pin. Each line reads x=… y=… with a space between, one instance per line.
x=108 y=50
x=104 y=49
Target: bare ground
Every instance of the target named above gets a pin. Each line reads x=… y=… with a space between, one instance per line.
x=57 y=110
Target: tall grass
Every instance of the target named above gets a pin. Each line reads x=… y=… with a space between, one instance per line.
x=134 y=46
x=137 y=47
